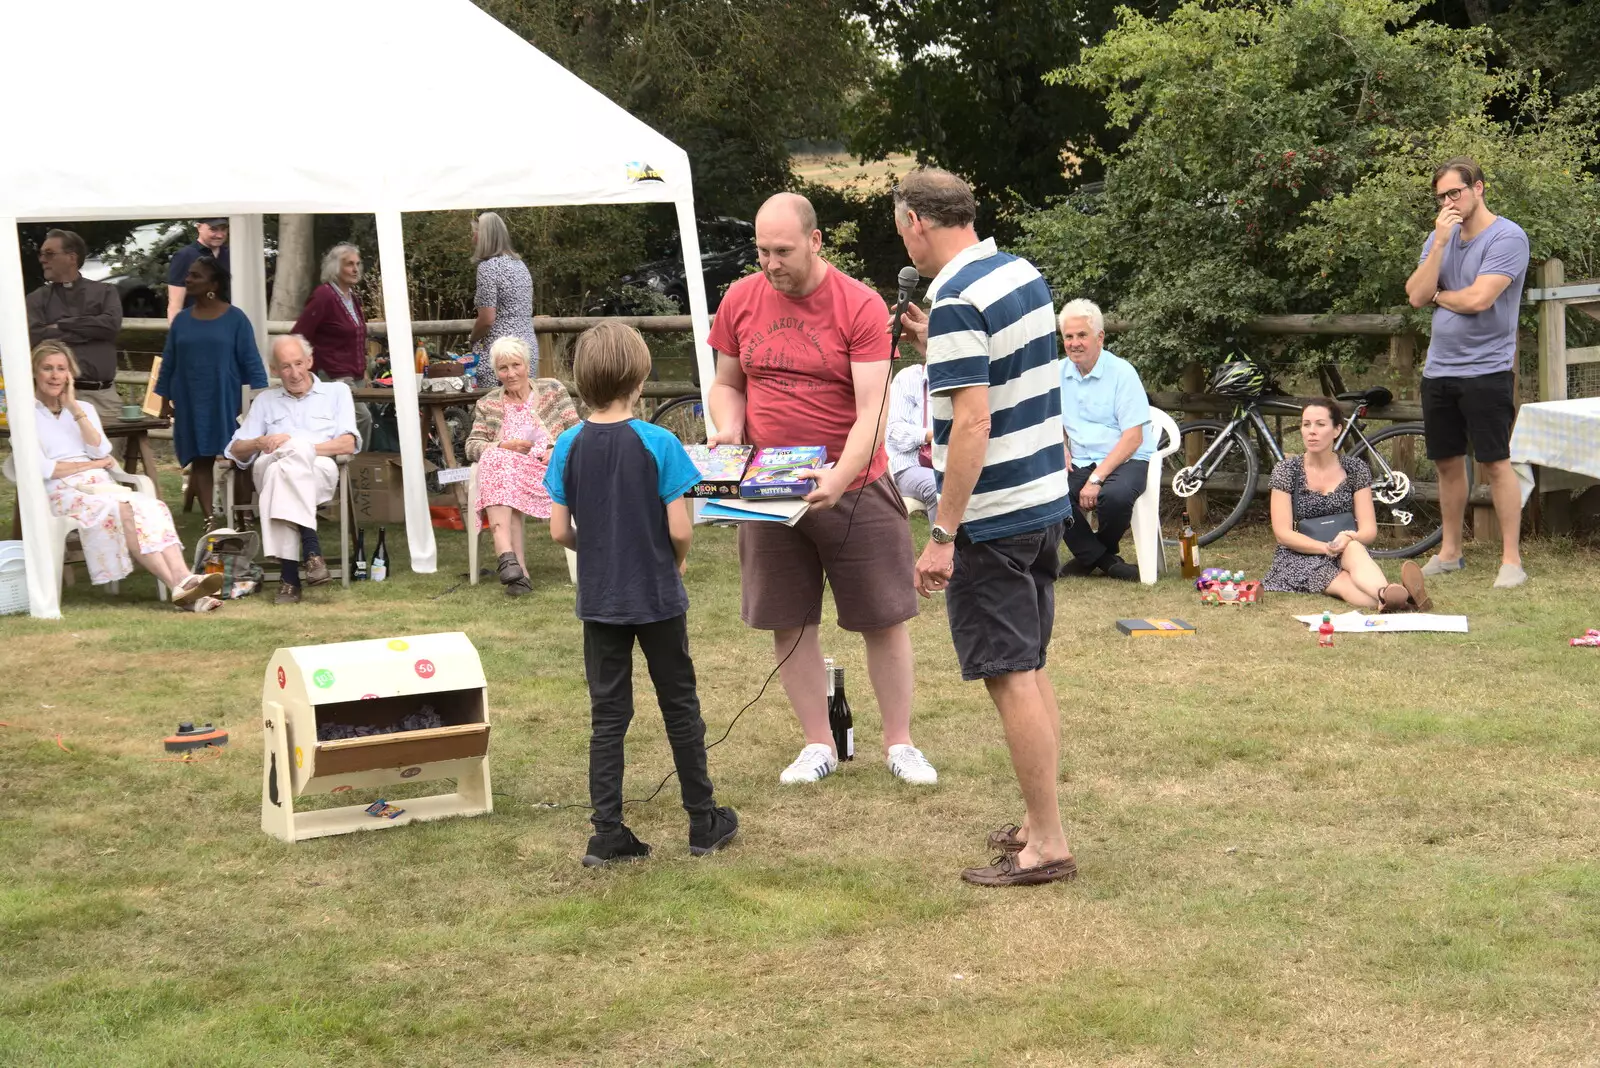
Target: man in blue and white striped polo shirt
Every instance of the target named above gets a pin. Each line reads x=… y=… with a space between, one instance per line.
x=994 y=384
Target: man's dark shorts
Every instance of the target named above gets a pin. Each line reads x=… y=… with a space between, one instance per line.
x=1002 y=602
x=1479 y=409
x=863 y=543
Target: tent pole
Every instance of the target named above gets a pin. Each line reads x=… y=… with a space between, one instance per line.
x=44 y=592
x=247 y=235
x=397 y=313
x=699 y=316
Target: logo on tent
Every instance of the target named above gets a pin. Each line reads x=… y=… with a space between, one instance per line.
x=643 y=172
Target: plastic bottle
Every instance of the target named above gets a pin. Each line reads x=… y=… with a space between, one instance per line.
x=422 y=357
x=380 y=559
x=1325 y=632
x=1189 y=550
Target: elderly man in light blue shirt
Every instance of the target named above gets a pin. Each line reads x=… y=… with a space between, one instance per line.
x=289 y=438
x=1105 y=419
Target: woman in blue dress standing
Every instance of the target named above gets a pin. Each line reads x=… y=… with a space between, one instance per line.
x=210 y=354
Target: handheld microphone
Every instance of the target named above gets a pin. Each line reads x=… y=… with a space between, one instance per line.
x=908 y=285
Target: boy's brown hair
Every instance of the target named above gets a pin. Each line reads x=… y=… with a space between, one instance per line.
x=609 y=362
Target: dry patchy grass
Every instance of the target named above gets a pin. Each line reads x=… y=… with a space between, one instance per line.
x=1379 y=854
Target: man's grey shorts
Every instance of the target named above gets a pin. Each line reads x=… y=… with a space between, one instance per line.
x=1002 y=602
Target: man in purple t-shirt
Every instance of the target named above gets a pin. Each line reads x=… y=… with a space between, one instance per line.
x=1471 y=271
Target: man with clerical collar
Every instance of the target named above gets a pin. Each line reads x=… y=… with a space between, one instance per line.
x=289 y=438
x=86 y=315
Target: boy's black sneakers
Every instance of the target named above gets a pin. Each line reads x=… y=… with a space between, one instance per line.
x=620 y=844
x=707 y=834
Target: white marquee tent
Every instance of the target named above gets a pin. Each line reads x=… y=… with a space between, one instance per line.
x=381 y=106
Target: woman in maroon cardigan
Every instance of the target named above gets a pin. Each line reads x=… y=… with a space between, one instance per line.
x=334 y=325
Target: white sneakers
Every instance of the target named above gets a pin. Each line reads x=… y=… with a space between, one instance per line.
x=816 y=761
x=909 y=765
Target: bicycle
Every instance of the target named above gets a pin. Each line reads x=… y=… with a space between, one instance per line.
x=685 y=416
x=1225 y=469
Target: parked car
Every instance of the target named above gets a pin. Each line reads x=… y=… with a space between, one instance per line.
x=138 y=268
x=727 y=251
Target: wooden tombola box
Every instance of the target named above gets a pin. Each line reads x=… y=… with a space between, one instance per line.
x=372 y=684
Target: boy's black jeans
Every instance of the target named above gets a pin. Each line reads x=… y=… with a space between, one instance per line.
x=608 y=664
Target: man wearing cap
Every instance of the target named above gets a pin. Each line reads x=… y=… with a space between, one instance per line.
x=213 y=242
x=86 y=315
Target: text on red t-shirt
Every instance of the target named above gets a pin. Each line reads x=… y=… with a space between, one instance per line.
x=796 y=355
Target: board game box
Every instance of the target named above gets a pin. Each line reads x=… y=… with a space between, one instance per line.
x=721 y=469
x=772 y=472
x=1154 y=628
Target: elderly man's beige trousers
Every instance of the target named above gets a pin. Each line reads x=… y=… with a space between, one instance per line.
x=290 y=483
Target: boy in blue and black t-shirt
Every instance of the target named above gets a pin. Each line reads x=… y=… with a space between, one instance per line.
x=621 y=481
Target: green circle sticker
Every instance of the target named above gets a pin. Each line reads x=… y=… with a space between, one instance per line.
x=399 y=645
x=323 y=678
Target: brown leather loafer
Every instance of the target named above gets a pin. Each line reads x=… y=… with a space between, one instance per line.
x=1005 y=871
x=1005 y=839
x=1411 y=579
x=1393 y=598
x=315 y=571
x=287 y=594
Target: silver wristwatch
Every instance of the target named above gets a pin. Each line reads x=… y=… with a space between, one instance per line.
x=1096 y=480
x=941 y=535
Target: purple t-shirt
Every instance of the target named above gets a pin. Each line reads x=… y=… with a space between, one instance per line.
x=1467 y=345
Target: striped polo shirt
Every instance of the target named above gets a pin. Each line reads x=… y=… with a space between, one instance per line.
x=992 y=324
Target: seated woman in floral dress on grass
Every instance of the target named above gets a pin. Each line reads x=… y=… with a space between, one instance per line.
x=1325 y=484
x=511 y=445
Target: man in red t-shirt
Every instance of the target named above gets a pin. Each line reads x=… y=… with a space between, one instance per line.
x=803 y=359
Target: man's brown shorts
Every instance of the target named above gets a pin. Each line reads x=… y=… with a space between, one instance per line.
x=871 y=568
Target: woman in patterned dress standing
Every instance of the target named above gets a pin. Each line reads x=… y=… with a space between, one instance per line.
x=504 y=297
x=511 y=445
x=1325 y=483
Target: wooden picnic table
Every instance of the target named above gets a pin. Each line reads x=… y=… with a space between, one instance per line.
x=136 y=450
x=432 y=405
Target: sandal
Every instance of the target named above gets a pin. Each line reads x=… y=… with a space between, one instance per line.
x=1411 y=578
x=1393 y=598
x=196 y=586
x=203 y=604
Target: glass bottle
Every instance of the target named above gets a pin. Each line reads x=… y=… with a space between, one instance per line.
x=1189 y=550
x=380 y=559
x=840 y=721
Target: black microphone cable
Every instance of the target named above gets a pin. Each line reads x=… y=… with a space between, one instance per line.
x=908 y=280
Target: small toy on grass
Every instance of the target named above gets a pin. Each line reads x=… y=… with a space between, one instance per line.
x=383 y=809
x=1591 y=637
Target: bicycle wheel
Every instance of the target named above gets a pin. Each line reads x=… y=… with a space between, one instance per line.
x=1215 y=488
x=1405 y=490
x=685 y=417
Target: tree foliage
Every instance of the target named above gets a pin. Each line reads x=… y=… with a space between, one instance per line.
x=1278 y=162
x=964 y=88
x=730 y=81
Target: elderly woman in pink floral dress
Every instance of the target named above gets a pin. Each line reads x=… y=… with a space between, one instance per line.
x=510 y=444
x=116 y=528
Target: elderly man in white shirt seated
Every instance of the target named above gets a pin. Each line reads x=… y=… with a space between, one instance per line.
x=291 y=435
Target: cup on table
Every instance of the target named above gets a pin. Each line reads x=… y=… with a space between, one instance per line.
x=132 y=413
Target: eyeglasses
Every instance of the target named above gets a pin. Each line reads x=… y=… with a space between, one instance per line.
x=1450 y=196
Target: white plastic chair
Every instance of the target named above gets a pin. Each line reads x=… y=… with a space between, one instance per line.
x=58 y=528
x=474 y=519
x=1147 y=547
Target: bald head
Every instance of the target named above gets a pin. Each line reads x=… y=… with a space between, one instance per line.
x=788 y=243
x=792 y=206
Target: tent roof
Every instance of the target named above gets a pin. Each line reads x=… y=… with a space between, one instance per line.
x=119 y=110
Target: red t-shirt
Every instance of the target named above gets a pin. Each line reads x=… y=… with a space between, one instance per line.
x=796 y=355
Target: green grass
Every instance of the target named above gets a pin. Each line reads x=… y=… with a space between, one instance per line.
x=1380 y=854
